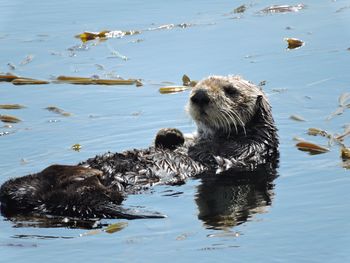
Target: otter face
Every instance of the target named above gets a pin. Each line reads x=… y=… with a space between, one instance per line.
x=222 y=104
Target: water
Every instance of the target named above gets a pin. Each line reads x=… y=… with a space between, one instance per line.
x=306 y=219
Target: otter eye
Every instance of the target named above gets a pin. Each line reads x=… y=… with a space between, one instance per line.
x=230 y=90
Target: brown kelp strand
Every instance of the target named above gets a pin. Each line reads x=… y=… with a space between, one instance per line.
x=87 y=36
x=294 y=43
x=9 y=119
x=316 y=131
x=96 y=81
x=312 y=148
x=16 y=80
x=58 y=111
x=172 y=89
x=296 y=118
x=186 y=81
x=7 y=77
x=11 y=106
x=345 y=153
x=110 y=229
x=28 y=81
x=76 y=147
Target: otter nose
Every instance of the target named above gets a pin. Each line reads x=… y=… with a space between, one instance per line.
x=200 y=97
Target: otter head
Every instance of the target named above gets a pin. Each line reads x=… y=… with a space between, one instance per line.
x=224 y=105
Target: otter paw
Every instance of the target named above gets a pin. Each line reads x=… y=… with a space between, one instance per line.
x=169 y=138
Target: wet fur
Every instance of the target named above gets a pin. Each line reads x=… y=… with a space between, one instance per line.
x=235 y=131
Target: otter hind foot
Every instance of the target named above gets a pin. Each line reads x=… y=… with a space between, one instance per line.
x=69 y=191
x=117 y=211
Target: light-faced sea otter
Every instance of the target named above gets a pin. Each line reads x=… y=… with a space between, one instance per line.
x=235 y=130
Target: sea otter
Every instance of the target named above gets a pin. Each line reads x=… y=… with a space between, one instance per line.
x=235 y=130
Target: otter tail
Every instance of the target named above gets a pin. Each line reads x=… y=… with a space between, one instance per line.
x=116 y=211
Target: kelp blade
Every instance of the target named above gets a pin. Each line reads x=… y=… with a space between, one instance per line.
x=28 y=81
x=93 y=81
x=115 y=227
x=11 y=106
x=75 y=80
x=9 y=119
x=345 y=153
x=8 y=77
x=294 y=43
x=86 y=36
x=115 y=81
x=58 y=111
x=172 y=89
x=311 y=148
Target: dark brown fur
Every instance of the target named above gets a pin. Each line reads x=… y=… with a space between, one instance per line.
x=235 y=131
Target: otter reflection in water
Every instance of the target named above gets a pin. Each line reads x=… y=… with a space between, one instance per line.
x=233 y=197
x=235 y=129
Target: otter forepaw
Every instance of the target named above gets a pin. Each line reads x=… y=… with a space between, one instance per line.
x=169 y=138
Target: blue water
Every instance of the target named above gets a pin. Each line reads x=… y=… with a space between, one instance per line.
x=307 y=220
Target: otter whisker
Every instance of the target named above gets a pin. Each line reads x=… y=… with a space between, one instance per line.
x=224 y=122
x=240 y=120
x=231 y=117
x=229 y=120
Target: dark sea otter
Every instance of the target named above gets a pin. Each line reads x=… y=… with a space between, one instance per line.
x=236 y=131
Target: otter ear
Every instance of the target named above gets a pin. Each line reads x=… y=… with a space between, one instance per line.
x=262 y=105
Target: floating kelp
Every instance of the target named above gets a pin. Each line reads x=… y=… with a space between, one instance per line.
x=345 y=153
x=109 y=229
x=294 y=43
x=115 y=227
x=76 y=147
x=316 y=131
x=342 y=136
x=331 y=137
x=296 y=118
x=58 y=111
x=87 y=36
x=311 y=147
x=11 y=106
x=9 y=119
x=186 y=81
x=282 y=9
x=8 y=77
x=96 y=81
x=28 y=81
x=344 y=103
x=172 y=89
x=16 y=80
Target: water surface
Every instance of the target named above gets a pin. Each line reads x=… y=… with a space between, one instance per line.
x=302 y=216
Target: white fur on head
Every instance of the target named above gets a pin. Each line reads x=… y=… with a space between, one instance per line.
x=232 y=103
